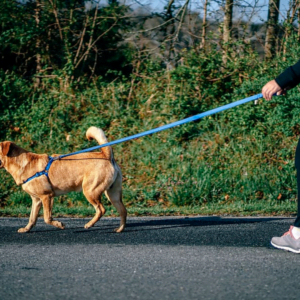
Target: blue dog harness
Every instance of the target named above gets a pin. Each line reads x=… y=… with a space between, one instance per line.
x=45 y=172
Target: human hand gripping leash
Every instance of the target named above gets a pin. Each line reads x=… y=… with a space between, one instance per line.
x=148 y=132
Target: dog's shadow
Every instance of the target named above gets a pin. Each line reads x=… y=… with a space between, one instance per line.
x=163 y=224
x=199 y=231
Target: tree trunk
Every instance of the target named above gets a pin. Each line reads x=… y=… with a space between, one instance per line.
x=227 y=27
x=204 y=25
x=289 y=28
x=299 y=22
x=38 y=43
x=169 y=16
x=272 y=29
x=227 y=21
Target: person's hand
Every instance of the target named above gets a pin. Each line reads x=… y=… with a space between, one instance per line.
x=270 y=89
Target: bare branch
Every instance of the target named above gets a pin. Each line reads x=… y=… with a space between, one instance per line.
x=160 y=25
x=81 y=39
x=181 y=20
x=96 y=40
x=54 y=10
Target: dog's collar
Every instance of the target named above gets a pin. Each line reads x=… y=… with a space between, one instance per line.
x=44 y=172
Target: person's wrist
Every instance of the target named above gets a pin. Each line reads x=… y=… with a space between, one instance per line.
x=279 y=87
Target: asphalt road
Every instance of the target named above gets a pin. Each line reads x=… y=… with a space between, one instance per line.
x=155 y=258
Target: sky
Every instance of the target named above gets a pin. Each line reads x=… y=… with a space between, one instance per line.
x=261 y=16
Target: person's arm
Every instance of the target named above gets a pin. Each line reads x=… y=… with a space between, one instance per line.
x=286 y=80
x=290 y=77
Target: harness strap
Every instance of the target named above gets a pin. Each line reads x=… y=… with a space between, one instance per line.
x=44 y=172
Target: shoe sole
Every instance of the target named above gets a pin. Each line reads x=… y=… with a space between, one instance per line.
x=285 y=248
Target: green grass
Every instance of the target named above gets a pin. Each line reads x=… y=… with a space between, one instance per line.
x=237 y=208
x=237 y=162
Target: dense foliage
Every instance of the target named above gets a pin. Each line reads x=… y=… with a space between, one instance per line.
x=245 y=153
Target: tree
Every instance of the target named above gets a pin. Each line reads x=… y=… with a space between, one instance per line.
x=204 y=24
x=299 y=22
x=228 y=9
x=227 y=20
x=272 y=29
x=37 y=17
x=288 y=24
x=58 y=38
x=169 y=19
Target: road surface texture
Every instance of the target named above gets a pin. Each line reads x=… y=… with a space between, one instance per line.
x=155 y=258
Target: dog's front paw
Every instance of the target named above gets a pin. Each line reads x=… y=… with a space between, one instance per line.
x=22 y=230
x=119 y=229
x=88 y=225
x=59 y=224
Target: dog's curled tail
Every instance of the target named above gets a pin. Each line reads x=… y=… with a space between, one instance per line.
x=98 y=135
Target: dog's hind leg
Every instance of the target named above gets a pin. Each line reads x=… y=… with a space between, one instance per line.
x=94 y=197
x=114 y=194
x=116 y=199
x=47 y=205
x=36 y=206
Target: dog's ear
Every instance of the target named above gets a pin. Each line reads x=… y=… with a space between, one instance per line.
x=7 y=147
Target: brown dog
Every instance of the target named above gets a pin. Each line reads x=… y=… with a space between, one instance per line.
x=93 y=173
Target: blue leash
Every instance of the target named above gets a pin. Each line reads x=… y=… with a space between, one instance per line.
x=164 y=127
x=148 y=132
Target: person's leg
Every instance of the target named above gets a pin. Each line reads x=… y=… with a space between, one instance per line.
x=297 y=221
x=297 y=166
x=291 y=240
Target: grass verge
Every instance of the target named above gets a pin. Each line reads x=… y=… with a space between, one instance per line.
x=263 y=208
